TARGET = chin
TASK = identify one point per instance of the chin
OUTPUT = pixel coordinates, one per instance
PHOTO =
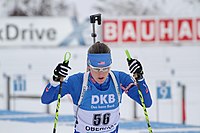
(101, 82)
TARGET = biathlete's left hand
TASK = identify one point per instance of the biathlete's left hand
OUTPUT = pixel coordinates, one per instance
(135, 68)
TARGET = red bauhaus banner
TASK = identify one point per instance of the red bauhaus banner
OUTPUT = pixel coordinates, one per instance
(150, 30)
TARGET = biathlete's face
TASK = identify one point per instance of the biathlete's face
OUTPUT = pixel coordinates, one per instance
(99, 73)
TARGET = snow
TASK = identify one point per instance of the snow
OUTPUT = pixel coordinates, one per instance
(167, 62)
(35, 64)
(24, 122)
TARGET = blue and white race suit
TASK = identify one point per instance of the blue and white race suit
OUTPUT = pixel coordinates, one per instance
(99, 108)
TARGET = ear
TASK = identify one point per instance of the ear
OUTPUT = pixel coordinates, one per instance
(88, 68)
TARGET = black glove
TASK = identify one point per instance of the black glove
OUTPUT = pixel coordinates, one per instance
(135, 68)
(61, 71)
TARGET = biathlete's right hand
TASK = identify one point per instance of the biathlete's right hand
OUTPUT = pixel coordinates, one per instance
(61, 71)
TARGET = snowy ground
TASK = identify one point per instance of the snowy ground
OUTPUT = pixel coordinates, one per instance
(25, 122)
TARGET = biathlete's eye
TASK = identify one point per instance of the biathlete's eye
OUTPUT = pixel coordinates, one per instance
(105, 69)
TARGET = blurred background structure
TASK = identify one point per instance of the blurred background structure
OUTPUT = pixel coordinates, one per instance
(163, 35)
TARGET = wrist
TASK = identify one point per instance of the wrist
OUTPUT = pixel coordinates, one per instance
(54, 83)
(141, 79)
(138, 76)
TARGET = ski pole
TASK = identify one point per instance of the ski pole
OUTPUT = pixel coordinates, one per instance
(141, 98)
(67, 56)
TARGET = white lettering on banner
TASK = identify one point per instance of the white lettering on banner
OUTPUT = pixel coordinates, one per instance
(14, 32)
(103, 99)
(129, 31)
(185, 29)
(166, 30)
(111, 31)
(35, 31)
(147, 30)
(151, 30)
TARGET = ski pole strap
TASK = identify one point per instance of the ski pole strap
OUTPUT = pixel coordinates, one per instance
(67, 56)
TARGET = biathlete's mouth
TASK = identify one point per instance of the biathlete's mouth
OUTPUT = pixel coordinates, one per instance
(101, 78)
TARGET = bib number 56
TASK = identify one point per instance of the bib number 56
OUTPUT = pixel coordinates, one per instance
(101, 118)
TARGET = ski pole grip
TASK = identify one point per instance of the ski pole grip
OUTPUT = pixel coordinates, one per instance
(128, 54)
